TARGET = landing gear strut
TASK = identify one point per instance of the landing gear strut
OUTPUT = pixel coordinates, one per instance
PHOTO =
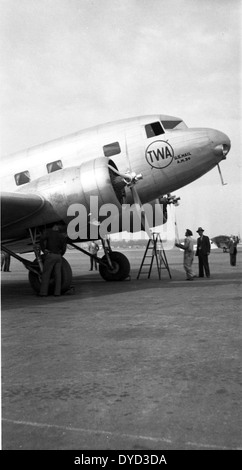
(116, 266)
(35, 274)
(113, 266)
(35, 267)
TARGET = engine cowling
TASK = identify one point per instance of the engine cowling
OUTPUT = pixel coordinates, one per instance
(76, 185)
(91, 183)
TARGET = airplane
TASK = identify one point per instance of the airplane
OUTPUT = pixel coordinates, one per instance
(222, 241)
(133, 161)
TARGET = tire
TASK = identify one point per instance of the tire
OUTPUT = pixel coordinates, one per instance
(66, 278)
(121, 267)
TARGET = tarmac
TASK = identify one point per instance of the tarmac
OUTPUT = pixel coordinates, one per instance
(143, 364)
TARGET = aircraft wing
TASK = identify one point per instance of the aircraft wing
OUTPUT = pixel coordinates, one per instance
(16, 207)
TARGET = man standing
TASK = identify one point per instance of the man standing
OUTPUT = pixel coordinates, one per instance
(233, 249)
(5, 261)
(188, 254)
(93, 249)
(53, 244)
(203, 250)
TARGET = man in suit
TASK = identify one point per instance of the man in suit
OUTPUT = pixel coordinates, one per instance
(233, 242)
(203, 250)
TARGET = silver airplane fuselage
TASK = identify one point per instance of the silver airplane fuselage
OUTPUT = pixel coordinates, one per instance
(167, 153)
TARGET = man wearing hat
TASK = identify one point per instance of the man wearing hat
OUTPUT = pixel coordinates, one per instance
(203, 250)
(188, 254)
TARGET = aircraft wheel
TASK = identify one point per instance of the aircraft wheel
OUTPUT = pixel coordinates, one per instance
(66, 278)
(121, 267)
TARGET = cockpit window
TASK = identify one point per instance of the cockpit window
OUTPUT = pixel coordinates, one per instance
(111, 149)
(169, 125)
(153, 129)
(54, 166)
(22, 178)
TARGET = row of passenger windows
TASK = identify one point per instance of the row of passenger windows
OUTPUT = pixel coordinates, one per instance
(24, 176)
(109, 150)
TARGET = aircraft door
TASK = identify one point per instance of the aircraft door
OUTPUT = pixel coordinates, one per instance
(114, 148)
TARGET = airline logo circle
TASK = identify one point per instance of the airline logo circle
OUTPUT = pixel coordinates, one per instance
(159, 154)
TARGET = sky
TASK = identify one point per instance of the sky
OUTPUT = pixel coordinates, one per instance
(71, 64)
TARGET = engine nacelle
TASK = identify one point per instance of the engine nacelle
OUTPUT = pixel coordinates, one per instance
(93, 182)
(77, 185)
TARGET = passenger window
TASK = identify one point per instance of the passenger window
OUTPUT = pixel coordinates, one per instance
(54, 166)
(22, 178)
(153, 129)
(111, 149)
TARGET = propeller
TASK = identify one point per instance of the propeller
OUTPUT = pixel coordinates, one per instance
(129, 134)
(130, 178)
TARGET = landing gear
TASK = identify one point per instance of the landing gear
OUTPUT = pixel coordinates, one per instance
(35, 267)
(119, 269)
(66, 277)
(113, 266)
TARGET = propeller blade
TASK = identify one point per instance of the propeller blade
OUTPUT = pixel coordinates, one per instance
(141, 214)
(135, 196)
(130, 178)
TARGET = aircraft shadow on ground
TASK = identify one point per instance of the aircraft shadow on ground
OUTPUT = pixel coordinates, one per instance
(17, 294)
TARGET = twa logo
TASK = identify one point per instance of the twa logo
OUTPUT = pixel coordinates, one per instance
(159, 154)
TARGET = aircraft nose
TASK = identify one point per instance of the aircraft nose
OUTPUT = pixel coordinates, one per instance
(221, 144)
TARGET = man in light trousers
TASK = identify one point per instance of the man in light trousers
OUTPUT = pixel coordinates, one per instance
(188, 254)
